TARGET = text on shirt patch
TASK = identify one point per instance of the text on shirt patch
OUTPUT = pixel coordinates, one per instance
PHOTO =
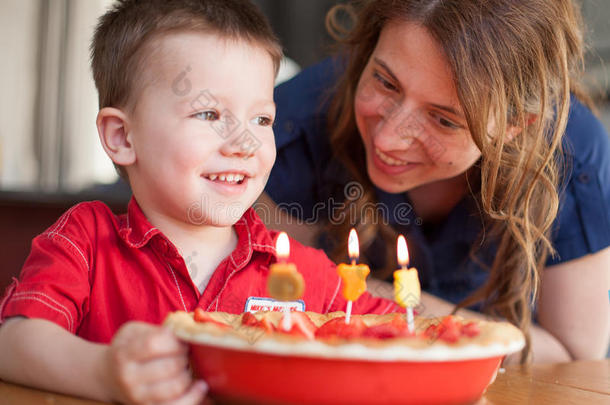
(255, 304)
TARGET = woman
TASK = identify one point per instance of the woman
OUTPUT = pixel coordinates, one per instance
(445, 122)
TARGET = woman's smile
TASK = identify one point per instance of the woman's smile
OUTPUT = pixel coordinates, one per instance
(391, 166)
(410, 144)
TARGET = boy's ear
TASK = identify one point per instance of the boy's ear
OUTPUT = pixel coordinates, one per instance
(113, 129)
(513, 131)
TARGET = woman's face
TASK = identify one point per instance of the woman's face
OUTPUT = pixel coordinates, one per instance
(408, 112)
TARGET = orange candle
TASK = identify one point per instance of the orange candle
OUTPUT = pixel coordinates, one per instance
(353, 275)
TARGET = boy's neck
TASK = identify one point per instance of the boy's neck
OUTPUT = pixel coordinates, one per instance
(203, 247)
(182, 233)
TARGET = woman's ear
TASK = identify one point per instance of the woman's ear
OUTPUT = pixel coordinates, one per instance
(512, 131)
(113, 129)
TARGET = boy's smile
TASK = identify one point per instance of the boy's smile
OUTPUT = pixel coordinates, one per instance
(229, 183)
(201, 129)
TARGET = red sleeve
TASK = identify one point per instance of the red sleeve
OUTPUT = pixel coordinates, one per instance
(54, 281)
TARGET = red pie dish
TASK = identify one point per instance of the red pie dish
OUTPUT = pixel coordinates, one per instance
(374, 360)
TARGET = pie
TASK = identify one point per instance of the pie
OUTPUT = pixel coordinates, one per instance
(366, 337)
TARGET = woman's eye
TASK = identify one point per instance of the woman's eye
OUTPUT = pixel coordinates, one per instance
(384, 82)
(444, 122)
(263, 121)
(209, 115)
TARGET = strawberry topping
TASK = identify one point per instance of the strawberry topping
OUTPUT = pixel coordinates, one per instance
(201, 316)
(337, 327)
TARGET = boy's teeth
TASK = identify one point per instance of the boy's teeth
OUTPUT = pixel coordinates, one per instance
(227, 177)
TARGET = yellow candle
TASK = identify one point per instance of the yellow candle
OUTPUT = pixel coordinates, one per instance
(407, 290)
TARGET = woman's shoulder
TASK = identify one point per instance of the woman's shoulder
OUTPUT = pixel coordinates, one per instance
(302, 102)
(583, 222)
(586, 138)
(587, 151)
(301, 136)
(301, 96)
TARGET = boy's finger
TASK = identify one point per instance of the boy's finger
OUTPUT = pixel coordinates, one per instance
(167, 389)
(194, 396)
(162, 368)
(157, 343)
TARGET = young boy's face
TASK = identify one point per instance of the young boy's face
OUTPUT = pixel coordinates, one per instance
(201, 129)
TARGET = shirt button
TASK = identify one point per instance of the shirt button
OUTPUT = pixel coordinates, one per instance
(288, 126)
(584, 177)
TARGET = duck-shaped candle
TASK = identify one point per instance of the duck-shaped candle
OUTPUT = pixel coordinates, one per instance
(353, 275)
(407, 291)
(285, 283)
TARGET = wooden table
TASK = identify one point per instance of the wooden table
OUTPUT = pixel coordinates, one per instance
(581, 382)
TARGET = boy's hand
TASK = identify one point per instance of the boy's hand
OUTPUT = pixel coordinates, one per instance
(147, 364)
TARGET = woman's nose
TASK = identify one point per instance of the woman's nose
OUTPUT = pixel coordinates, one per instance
(398, 127)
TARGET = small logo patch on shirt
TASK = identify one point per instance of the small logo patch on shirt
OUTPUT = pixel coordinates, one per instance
(255, 304)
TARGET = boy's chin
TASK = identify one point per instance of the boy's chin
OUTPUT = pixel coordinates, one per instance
(220, 217)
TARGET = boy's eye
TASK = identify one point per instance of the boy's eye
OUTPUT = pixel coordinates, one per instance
(384, 82)
(262, 121)
(209, 115)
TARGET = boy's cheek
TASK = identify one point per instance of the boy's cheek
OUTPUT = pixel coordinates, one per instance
(271, 147)
(268, 154)
(271, 159)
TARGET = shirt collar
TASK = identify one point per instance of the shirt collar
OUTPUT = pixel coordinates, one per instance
(136, 231)
(253, 236)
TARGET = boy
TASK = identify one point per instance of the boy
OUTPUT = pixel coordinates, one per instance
(186, 108)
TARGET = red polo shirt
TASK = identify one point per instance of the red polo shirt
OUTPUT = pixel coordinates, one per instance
(92, 271)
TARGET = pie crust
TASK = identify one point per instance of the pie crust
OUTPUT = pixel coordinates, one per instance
(495, 339)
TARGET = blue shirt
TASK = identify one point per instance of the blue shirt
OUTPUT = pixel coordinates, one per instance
(310, 185)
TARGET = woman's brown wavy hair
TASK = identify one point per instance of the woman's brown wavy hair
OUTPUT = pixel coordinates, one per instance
(512, 61)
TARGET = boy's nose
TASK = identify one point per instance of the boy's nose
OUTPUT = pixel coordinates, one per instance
(242, 145)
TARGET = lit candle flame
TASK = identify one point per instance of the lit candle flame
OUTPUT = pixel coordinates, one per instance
(402, 252)
(282, 246)
(352, 245)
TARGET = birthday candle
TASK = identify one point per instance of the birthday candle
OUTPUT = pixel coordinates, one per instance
(353, 275)
(285, 283)
(407, 290)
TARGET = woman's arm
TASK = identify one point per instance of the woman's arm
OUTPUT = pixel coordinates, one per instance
(574, 306)
(545, 347)
(430, 307)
